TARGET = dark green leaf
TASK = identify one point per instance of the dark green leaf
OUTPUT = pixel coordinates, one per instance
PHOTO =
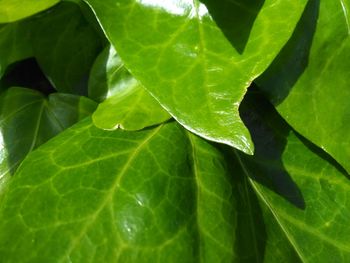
(28, 119)
(65, 46)
(12, 10)
(306, 195)
(128, 105)
(185, 61)
(308, 82)
(15, 44)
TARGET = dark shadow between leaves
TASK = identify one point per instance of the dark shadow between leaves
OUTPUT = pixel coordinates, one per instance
(19, 130)
(250, 230)
(235, 18)
(278, 80)
(269, 133)
(27, 73)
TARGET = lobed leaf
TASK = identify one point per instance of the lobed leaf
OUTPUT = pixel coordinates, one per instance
(28, 119)
(183, 54)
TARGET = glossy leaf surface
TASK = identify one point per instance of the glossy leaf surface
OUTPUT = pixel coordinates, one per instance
(198, 70)
(28, 119)
(122, 197)
(304, 190)
(12, 10)
(65, 46)
(308, 82)
(127, 104)
(107, 74)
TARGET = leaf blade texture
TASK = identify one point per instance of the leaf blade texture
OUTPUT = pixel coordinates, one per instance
(186, 62)
(96, 194)
(28, 119)
(306, 82)
(125, 103)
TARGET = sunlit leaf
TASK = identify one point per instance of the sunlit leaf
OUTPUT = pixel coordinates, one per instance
(185, 56)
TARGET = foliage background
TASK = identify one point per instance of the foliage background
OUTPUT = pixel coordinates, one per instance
(153, 131)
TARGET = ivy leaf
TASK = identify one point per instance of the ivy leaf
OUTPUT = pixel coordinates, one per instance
(91, 201)
(307, 81)
(189, 65)
(28, 119)
(65, 46)
(303, 191)
(12, 10)
(128, 105)
(107, 73)
(162, 192)
(15, 44)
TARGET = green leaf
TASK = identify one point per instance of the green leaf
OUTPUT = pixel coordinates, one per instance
(129, 109)
(107, 75)
(28, 119)
(15, 44)
(120, 196)
(304, 191)
(159, 193)
(189, 65)
(12, 10)
(128, 105)
(308, 82)
(65, 46)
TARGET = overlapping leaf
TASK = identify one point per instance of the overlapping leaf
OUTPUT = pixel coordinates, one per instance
(28, 119)
(305, 192)
(12, 10)
(65, 46)
(308, 82)
(197, 71)
(15, 44)
(120, 196)
(159, 193)
(127, 104)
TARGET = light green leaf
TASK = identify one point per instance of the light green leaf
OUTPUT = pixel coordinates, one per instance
(146, 196)
(65, 46)
(28, 119)
(130, 109)
(128, 105)
(306, 193)
(12, 10)
(308, 82)
(196, 71)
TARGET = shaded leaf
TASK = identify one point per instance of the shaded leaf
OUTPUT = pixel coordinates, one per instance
(187, 63)
(12, 10)
(15, 44)
(308, 82)
(65, 46)
(128, 105)
(305, 194)
(28, 119)
(107, 75)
